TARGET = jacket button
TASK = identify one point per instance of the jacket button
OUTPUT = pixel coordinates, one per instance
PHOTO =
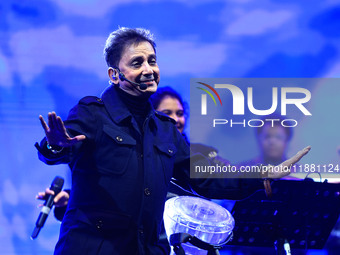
(212, 154)
(170, 151)
(99, 224)
(119, 138)
(147, 191)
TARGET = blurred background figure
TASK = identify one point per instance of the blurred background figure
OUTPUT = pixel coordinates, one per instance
(273, 141)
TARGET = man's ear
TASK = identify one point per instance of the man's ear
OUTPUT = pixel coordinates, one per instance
(113, 75)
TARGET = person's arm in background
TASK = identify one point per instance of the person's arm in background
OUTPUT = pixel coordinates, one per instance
(235, 186)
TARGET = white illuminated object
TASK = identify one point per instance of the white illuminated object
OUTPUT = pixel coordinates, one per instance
(198, 217)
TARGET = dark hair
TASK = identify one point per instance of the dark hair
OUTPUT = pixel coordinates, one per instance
(288, 130)
(163, 92)
(124, 37)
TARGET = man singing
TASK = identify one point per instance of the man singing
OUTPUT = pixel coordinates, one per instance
(122, 154)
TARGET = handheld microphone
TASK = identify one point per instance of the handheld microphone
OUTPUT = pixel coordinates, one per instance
(56, 186)
(142, 86)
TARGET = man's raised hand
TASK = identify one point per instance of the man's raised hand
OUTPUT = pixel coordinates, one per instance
(56, 133)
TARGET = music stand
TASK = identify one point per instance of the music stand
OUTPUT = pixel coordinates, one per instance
(300, 215)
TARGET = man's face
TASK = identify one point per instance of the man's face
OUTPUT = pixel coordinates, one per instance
(138, 64)
(273, 142)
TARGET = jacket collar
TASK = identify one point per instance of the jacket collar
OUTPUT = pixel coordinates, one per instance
(116, 107)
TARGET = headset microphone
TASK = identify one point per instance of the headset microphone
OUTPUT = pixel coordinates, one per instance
(142, 86)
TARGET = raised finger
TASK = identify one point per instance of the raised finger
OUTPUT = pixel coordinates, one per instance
(50, 120)
(43, 123)
(293, 160)
(60, 124)
(301, 153)
(54, 119)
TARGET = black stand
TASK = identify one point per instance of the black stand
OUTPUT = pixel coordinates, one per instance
(300, 215)
(177, 239)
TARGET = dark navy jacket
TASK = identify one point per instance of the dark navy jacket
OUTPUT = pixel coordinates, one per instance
(121, 175)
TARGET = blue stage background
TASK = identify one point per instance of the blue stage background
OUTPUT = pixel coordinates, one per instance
(51, 56)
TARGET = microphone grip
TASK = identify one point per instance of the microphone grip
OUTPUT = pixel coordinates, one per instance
(56, 186)
(45, 211)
